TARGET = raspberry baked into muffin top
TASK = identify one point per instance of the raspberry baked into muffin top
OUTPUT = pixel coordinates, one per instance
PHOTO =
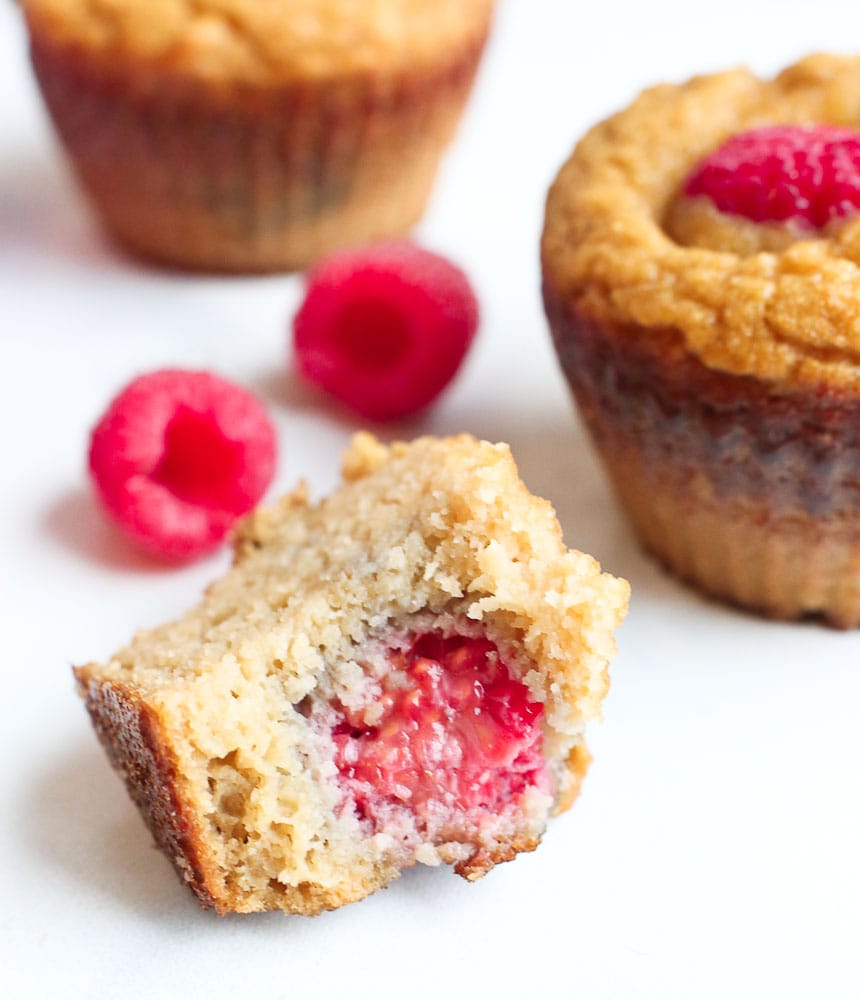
(264, 42)
(701, 277)
(778, 300)
(402, 673)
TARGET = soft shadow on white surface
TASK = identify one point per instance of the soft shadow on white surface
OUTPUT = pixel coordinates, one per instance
(43, 215)
(74, 521)
(285, 389)
(80, 824)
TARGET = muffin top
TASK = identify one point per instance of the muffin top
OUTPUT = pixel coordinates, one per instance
(439, 525)
(262, 41)
(624, 245)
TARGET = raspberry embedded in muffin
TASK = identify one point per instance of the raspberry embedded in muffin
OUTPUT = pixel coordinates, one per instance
(807, 173)
(765, 188)
(452, 742)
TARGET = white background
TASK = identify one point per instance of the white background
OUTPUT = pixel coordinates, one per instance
(715, 851)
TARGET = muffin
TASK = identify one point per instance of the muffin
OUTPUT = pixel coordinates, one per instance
(400, 674)
(701, 276)
(255, 135)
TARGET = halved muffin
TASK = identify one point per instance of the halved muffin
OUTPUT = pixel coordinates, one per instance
(402, 673)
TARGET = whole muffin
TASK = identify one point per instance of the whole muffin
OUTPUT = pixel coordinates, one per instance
(701, 264)
(253, 135)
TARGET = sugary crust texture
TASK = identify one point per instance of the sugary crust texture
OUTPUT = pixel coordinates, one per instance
(136, 743)
(202, 716)
(261, 42)
(425, 524)
(697, 222)
(791, 316)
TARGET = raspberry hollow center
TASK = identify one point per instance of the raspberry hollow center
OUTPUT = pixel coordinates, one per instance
(371, 335)
(384, 329)
(453, 734)
(200, 465)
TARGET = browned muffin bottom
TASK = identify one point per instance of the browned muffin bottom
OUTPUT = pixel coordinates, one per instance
(718, 379)
(749, 494)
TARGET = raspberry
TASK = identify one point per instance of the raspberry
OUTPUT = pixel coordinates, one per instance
(178, 456)
(385, 329)
(809, 174)
(457, 733)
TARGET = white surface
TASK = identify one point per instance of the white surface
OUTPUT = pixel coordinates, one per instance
(714, 852)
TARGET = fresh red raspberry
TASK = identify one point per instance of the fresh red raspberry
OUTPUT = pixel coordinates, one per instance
(457, 734)
(809, 174)
(385, 329)
(178, 456)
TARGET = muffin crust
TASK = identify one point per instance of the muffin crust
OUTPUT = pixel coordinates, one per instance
(792, 316)
(749, 493)
(264, 42)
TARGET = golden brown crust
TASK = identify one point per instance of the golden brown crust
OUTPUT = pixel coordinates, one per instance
(716, 362)
(256, 135)
(482, 861)
(134, 737)
(140, 746)
(578, 762)
(260, 43)
(792, 316)
(140, 750)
